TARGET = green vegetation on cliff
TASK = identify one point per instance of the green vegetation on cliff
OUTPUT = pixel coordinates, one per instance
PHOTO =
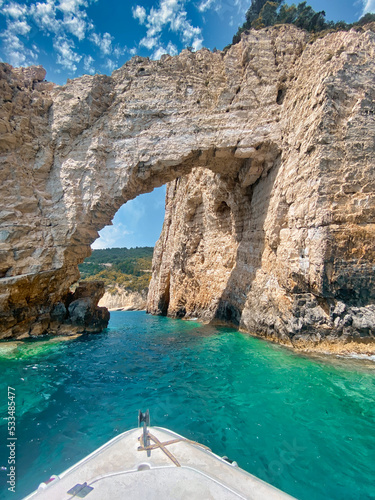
(130, 268)
(263, 13)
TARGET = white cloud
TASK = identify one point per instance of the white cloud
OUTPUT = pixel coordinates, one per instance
(66, 21)
(148, 42)
(190, 33)
(88, 65)
(111, 236)
(137, 223)
(110, 65)
(205, 5)
(197, 44)
(66, 56)
(368, 6)
(170, 49)
(170, 14)
(72, 6)
(104, 42)
(15, 10)
(95, 38)
(166, 14)
(139, 13)
(19, 27)
(14, 48)
(44, 15)
(119, 51)
(106, 46)
(76, 25)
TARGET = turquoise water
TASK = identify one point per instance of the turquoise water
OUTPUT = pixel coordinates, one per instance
(305, 425)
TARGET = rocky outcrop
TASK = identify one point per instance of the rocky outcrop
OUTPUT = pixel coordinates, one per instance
(282, 245)
(65, 313)
(83, 314)
(121, 299)
(278, 134)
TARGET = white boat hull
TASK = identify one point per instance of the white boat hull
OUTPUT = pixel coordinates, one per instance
(120, 470)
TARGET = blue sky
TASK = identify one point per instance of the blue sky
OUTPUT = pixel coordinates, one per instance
(138, 223)
(75, 37)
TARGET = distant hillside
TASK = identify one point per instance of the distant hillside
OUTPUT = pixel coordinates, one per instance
(129, 268)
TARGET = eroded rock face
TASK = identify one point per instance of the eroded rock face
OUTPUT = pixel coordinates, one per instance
(32, 310)
(283, 245)
(83, 313)
(278, 137)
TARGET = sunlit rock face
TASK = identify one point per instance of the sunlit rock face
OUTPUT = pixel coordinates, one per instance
(269, 152)
(121, 299)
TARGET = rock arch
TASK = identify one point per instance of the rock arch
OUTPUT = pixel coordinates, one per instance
(73, 155)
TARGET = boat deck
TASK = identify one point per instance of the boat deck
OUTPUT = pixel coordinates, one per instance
(120, 470)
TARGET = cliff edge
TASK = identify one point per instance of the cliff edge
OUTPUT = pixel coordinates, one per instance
(269, 151)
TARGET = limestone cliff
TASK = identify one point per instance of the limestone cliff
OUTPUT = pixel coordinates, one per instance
(282, 245)
(125, 300)
(277, 133)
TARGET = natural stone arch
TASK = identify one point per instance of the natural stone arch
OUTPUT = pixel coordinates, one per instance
(75, 154)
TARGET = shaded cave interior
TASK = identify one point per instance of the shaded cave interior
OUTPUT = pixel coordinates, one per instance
(213, 236)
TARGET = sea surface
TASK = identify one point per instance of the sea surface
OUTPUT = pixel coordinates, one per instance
(304, 424)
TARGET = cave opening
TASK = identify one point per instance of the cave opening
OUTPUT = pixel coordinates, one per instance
(137, 223)
(122, 255)
(208, 211)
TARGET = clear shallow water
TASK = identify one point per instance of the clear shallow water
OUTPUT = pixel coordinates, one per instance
(305, 425)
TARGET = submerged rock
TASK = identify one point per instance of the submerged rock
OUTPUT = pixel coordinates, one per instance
(83, 311)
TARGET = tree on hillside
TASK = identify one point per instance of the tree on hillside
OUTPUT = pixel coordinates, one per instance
(267, 16)
(255, 9)
(367, 18)
(129, 268)
(263, 13)
(253, 14)
(308, 19)
(287, 14)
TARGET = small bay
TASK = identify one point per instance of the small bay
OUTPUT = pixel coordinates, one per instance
(304, 424)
